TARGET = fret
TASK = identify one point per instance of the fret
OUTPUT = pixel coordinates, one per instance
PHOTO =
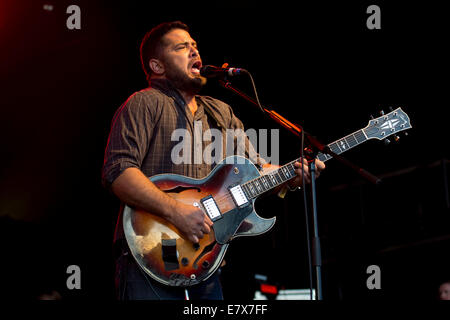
(269, 181)
(343, 145)
(359, 135)
(292, 168)
(246, 190)
(252, 188)
(262, 182)
(281, 174)
(265, 183)
(278, 176)
(272, 178)
(351, 141)
(258, 186)
(335, 148)
(286, 172)
(323, 156)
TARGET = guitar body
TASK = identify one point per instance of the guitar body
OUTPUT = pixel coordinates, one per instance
(159, 248)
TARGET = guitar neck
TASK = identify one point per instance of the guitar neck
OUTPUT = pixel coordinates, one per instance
(344, 144)
(264, 183)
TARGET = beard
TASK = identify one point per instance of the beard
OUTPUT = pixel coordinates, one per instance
(182, 81)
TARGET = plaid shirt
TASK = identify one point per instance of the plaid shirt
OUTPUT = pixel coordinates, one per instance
(142, 128)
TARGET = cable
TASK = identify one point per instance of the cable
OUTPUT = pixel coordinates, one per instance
(256, 93)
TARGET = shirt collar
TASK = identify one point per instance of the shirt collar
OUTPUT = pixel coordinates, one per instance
(166, 87)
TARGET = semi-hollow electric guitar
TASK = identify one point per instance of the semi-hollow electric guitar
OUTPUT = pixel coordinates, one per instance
(227, 196)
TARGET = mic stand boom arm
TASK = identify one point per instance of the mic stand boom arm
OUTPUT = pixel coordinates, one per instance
(297, 130)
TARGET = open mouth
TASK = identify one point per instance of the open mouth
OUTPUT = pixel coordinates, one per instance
(195, 69)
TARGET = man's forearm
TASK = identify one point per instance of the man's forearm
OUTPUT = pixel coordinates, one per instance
(135, 189)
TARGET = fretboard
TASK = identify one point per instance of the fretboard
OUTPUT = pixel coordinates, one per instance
(344, 144)
(264, 183)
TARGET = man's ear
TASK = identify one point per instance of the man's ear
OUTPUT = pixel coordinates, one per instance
(156, 66)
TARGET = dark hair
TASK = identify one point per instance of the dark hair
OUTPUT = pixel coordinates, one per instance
(151, 44)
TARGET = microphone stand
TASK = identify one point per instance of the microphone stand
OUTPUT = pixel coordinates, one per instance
(316, 147)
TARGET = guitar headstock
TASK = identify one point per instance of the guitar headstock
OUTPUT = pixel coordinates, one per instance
(387, 124)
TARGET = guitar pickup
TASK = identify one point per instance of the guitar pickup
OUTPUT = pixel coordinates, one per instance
(238, 196)
(211, 208)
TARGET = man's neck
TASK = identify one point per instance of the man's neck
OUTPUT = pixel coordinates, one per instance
(189, 98)
(190, 101)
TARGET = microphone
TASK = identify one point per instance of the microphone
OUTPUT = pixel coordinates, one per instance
(209, 71)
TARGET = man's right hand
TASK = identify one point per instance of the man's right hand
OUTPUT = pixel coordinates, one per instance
(135, 189)
(192, 222)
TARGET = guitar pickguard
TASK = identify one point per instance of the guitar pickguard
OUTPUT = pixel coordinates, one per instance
(225, 228)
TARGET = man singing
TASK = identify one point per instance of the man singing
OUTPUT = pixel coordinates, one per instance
(140, 146)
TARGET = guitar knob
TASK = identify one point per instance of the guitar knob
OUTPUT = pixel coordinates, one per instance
(185, 261)
(196, 246)
(386, 141)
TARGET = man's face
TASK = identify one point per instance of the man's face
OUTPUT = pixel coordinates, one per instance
(444, 291)
(182, 61)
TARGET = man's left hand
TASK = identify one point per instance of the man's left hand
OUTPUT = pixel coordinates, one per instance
(298, 181)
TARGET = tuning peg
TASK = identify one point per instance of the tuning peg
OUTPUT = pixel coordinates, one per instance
(405, 133)
(391, 109)
(382, 112)
(386, 141)
(396, 138)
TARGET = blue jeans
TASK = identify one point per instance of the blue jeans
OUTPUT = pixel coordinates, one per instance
(132, 283)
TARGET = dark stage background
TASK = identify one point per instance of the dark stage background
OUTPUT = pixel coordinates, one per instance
(316, 63)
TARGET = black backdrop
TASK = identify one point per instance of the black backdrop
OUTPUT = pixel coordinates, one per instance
(315, 63)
